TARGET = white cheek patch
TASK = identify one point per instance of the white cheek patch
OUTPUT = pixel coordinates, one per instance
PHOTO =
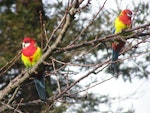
(24, 45)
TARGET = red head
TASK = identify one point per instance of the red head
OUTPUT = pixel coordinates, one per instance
(127, 13)
(27, 42)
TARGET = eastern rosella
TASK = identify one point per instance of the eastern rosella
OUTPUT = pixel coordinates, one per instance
(122, 22)
(31, 53)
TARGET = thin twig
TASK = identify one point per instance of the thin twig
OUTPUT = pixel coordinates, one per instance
(18, 106)
(13, 96)
(10, 107)
(58, 84)
(19, 79)
(8, 65)
(89, 87)
(41, 24)
(94, 17)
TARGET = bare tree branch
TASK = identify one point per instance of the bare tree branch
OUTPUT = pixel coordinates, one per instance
(107, 38)
(23, 76)
(72, 9)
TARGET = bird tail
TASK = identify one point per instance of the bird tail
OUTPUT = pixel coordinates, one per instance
(40, 87)
(115, 55)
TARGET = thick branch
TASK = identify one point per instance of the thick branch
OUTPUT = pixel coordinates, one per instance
(107, 38)
(23, 76)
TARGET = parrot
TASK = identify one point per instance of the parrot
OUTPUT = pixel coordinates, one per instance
(122, 22)
(30, 55)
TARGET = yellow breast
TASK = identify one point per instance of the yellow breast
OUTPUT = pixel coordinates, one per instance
(119, 26)
(29, 61)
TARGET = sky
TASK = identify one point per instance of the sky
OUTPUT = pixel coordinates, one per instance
(140, 101)
(138, 90)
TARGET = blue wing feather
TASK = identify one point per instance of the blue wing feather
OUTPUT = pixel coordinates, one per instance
(113, 30)
(115, 56)
(40, 87)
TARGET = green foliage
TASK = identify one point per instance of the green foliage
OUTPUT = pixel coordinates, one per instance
(22, 18)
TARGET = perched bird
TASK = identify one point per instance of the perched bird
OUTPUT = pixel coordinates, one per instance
(122, 22)
(31, 53)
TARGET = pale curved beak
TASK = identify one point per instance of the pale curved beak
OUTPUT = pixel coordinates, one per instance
(129, 15)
